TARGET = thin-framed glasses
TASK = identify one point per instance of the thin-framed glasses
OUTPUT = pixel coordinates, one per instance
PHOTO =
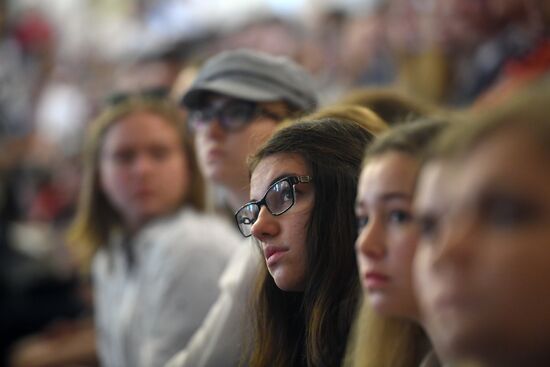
(278, 199)
(232, 115)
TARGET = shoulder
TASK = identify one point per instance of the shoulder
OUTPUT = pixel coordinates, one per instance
(244, 264)
(204, 228)
(107, 257)
(190, 233)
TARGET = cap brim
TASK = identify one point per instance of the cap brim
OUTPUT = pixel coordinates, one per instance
(228, 88)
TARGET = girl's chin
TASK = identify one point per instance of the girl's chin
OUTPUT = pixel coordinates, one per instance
(288, 285)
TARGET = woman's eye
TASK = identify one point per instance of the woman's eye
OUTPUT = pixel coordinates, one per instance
(246, 220)
(362, 221)
(160, 153)
(287, 195)
(399, 216)
(504, 211)
(124, 156)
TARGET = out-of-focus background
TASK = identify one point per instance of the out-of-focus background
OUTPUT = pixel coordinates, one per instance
(61, 59)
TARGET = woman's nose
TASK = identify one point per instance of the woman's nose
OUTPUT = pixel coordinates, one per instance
(142, 164)
(457, 242)
(266, 225)
(213, 129)
(370, 242)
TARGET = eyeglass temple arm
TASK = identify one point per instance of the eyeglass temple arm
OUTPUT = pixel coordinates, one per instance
(302, 179)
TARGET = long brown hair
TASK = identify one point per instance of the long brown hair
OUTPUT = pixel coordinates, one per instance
(96, 217)
(310, 328)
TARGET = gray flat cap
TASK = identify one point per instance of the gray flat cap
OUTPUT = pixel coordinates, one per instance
(253, 76)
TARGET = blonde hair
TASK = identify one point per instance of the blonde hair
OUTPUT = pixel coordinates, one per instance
(96, 217)
(394, 106)
(378, 341)
(350, 112)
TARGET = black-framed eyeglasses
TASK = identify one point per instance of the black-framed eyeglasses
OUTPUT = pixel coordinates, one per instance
(232, 115)
(278, 199)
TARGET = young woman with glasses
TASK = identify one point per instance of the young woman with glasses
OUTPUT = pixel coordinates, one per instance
(156, 259)
(303, 183)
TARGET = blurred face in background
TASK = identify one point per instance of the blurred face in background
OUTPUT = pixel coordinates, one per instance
(222, 149)
(362, 41)
(466, 23)
(387, 235)
(483, 263)
(143, 168)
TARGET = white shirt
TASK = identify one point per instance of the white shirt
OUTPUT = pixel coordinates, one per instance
(220, 340)
(149, 307)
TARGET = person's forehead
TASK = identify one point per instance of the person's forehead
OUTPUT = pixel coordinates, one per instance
(389, 174)
(493, 160)
(434, 184)
(141, 126)
(275, 166)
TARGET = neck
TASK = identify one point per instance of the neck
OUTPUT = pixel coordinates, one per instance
(133, 225)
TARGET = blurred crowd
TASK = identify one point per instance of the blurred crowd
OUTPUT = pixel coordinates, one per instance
(437, 55)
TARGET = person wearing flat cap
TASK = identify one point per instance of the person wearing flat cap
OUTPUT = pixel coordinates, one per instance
(234, 105)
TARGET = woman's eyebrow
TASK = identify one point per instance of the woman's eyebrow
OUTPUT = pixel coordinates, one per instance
(278, 178)
(395, 195)
(389, 196)
(281, 176)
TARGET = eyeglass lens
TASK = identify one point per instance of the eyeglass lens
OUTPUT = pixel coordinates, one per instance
(278, 199)
(231, 115)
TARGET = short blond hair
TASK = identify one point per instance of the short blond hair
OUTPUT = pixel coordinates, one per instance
(350, 112)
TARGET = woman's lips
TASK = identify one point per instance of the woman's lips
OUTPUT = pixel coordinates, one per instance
(273, 254)
(142, 193)
(375, 280)
(214, 154)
